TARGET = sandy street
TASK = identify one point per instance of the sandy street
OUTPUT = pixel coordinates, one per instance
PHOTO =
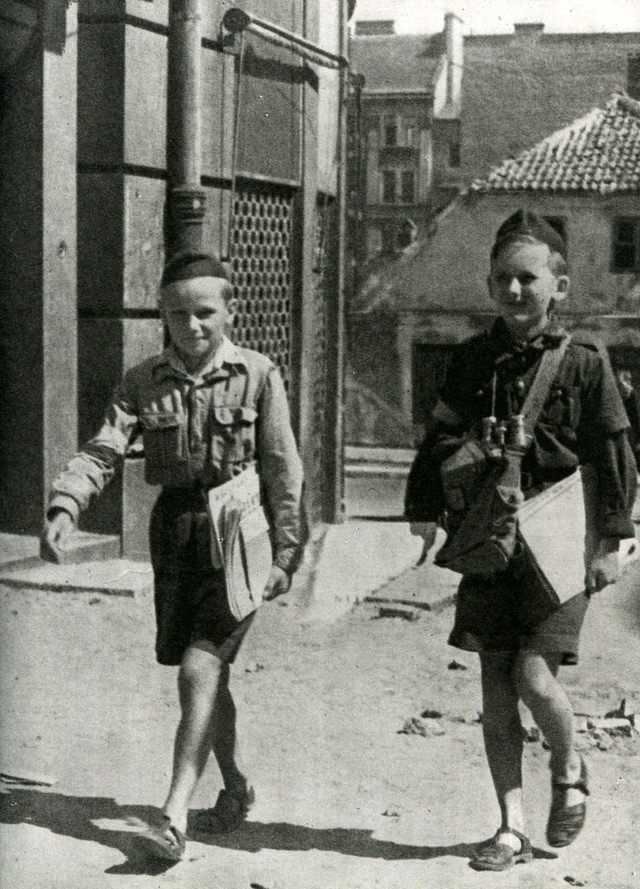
(344, 800)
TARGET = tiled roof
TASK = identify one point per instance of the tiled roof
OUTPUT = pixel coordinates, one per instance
(397, 63)
(598, 152)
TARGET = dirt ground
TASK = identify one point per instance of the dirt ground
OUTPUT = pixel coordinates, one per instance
(344, 801)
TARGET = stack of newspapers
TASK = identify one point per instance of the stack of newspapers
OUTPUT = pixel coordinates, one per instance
(559, 528)
(240, 540)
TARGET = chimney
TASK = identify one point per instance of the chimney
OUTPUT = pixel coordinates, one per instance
(528, 29)
(375, 28)
(454, 56)
(633, 76)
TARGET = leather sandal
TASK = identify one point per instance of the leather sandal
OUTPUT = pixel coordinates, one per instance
(230, 811)
(566, 822)
(495, 855)
(164, 841)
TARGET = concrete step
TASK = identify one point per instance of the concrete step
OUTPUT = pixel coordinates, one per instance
(110, 577)
(375, 470)
(19, 552)
(356, 454)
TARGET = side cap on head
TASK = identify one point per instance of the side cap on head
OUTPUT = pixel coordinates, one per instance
(523, 222)
(188, 264)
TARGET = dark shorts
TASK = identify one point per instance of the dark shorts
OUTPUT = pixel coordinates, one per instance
(512, 611)
(190, 599)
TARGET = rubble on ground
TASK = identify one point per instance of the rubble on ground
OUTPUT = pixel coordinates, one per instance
(416, 726)
(604, 731)
(592, 731)
(404, 613)
(391, 812)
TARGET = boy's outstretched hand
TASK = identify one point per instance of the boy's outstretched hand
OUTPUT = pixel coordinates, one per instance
(56, 536)
(277, 583)
(426, 530)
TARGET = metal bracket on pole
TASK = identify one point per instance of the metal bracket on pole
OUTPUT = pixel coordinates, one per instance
(237, 20)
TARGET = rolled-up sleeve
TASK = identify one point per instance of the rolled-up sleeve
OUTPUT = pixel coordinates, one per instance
(90, 470)
(616, 471)
(603, 433)
(281, 473)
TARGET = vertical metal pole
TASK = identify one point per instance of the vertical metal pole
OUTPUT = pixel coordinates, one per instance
(356, 186)
(186, 198)
(336, 324)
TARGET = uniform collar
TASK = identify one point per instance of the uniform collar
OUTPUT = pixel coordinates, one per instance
(169, 364)
(506, 347)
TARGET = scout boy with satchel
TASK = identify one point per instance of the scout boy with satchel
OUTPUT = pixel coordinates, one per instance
(482, 482)
(522, 408)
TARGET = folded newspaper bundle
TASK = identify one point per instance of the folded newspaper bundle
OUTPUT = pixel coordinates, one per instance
(240, 540)
(559, 528)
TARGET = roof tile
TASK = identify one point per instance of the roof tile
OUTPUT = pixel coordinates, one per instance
(598, 152)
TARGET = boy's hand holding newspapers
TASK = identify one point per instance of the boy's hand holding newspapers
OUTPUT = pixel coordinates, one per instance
(604, 567)
(277, 583)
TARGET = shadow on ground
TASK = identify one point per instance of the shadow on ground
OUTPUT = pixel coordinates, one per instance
(75, 816)
(281, 836)
(101, 820)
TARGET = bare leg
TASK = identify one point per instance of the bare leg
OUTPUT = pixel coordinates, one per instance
(202, 684)
(545, 697)
(225, 743)
(503, 738)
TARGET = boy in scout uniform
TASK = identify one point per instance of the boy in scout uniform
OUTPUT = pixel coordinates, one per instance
(523, 637)
(206, 410)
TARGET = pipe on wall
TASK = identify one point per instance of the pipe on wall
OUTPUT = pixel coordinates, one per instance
(237, 20)
(186, 200)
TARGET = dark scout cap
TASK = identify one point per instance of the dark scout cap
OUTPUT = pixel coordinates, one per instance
(192, 264)
(523, 222)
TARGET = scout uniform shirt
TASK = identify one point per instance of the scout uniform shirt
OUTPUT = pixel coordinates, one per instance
(582, 422)
(198, 432)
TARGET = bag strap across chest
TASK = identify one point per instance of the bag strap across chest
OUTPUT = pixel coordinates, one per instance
(539, 390)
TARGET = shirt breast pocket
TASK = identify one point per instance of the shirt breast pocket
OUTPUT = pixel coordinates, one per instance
(233, 437)
(563, 407)
(162, 435)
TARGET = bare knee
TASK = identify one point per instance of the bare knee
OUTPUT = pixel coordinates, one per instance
(535, 678)
(201, 671)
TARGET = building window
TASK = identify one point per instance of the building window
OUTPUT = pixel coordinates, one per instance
(398, 186)
(408, 187)
(372, 127)
(389, 238)
(454, 140)
(626, 244)
(407, 233)
(388, 186)
(390, 131)
(410, 132)
(374, 240)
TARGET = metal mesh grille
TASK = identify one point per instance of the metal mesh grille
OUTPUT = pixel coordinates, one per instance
(261, 273)
(319, 364)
